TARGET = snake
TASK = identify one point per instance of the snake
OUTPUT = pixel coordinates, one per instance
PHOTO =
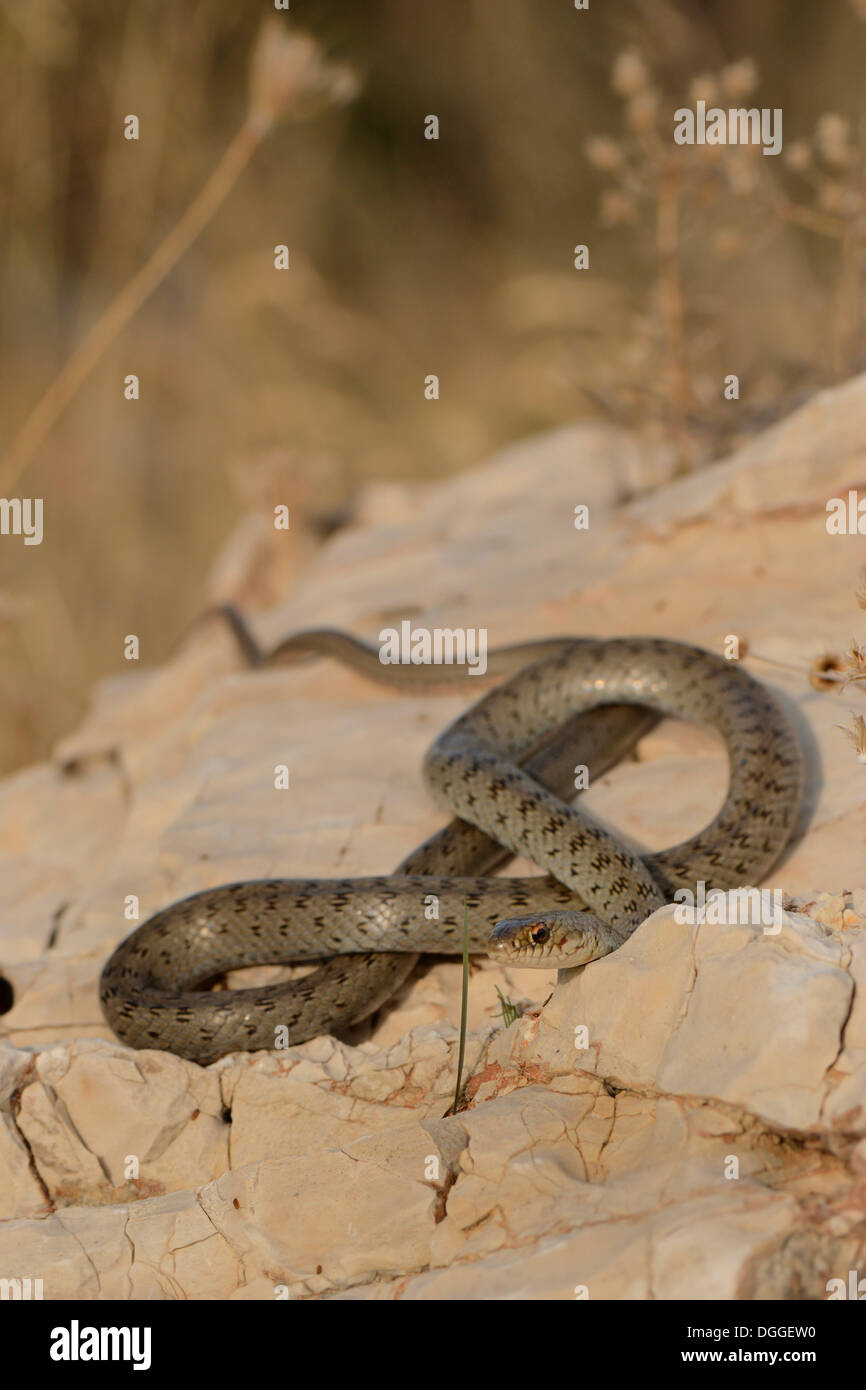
(507, 770)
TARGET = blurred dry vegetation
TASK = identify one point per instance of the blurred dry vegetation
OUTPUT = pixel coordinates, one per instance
(407, 257)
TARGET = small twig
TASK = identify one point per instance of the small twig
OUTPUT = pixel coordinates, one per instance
(809, 217)
(74, 373)
(287, 70)
(831, 676)
(845, 300)
(673, 314)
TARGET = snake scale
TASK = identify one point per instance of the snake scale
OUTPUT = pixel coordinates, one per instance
(506, 770)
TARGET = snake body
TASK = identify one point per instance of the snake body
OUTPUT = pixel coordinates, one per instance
(505, 769)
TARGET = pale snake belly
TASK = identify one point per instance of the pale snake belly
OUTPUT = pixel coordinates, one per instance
(506, 770)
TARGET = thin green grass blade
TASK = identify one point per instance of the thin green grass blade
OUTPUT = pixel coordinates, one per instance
(464, 1009)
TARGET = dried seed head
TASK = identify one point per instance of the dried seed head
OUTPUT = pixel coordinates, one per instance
(290, 78)
(616, 208)
(831, 140)
(857, 735)
(604, 153)
(798, 156)
(740, 78)
(704, 88)
(855, 663)
(630, 74)
(641, 110)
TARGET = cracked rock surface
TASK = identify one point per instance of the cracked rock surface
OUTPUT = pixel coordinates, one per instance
(684, 1118)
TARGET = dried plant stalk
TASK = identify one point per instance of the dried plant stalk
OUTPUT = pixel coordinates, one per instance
(289, 78)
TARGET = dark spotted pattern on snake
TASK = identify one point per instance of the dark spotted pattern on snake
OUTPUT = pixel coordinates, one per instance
(505, 769)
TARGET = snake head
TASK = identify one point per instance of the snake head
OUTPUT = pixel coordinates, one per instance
(555, 940)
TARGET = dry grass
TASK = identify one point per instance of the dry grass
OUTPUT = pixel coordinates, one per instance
(408, 257)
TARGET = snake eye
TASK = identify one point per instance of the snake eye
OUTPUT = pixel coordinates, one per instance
(539, 935)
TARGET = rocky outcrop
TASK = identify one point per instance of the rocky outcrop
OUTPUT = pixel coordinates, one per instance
(684, 1118)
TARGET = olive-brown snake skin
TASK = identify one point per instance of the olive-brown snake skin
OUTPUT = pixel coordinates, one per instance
(506, 768)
